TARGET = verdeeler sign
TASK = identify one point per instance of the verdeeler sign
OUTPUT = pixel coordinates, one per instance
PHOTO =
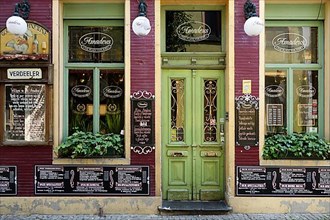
(32, 73)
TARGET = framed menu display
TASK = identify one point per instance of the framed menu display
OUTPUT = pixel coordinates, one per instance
(282, 181)
(8, 180)
(274, 114)
(247, 120)
(96, 180)
(142, 110)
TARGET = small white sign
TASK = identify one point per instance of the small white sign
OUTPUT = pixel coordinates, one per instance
(33, 73)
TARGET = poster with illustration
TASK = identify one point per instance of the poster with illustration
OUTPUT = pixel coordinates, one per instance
(33, 45)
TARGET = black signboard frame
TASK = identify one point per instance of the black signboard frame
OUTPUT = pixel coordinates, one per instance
(247, 120)
(92, 180)
(8, 180)
(258, 181)
(142, 122)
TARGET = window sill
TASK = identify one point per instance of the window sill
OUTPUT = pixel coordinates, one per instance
(297, 162)
(92, 161)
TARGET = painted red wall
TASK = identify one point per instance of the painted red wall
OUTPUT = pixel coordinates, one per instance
(26, 157)
(143, 77)
(246, 68)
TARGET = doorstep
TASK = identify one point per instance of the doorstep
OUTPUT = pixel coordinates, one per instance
(194, 207)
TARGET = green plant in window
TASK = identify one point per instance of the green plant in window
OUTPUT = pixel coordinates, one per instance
(295, 146)
(87, 144)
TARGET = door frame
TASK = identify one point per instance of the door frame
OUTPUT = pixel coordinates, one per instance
(194, 150)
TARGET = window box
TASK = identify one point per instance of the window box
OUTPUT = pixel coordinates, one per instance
(88, 145)
(296, 146)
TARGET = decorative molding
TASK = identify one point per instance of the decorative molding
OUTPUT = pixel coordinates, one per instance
(247, 100)
(142, 94)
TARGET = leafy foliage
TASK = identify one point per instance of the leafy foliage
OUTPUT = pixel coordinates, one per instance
(87, 144)
(288, 146)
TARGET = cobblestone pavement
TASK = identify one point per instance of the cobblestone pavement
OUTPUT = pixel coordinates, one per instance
(177, 217)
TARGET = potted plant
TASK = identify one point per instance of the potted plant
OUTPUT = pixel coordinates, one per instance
(296, 146)
(87, 144)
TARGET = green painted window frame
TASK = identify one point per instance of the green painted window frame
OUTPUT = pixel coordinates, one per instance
(319, 66)
(95, 67)
(192, 8)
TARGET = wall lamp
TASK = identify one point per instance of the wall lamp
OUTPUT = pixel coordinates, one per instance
(141, 24)
(16, 23)
(253, 25)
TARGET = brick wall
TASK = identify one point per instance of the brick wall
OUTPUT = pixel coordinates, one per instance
(26, 157)
(246, 68)
(143, 77)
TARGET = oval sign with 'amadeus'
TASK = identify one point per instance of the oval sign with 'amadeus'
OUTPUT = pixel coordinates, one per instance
(274, 91)
(81, 91)
(289, 43)
(112, 92)
(95, 42)
(193, 31)
(306, 91)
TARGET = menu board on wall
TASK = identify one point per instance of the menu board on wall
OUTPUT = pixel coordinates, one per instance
(142, 136)
(282, 181)
(25, 112)
(8, 180)
(247, 120)
(96, 180)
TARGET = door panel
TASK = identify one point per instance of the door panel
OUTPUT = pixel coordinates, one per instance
(192, 134)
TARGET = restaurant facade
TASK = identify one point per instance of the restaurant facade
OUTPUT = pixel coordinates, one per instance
(125, 106)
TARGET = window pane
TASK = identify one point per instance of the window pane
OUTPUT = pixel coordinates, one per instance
(210, 110)
(96, 44)
(305, 101)
(291, 45)
(275, 99)
(193, 31)
(80, 100)
(177, 110)
(112, 101)
(25, 112)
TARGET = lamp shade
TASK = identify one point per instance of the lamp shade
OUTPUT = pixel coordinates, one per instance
(16, 25)
(253, 26)
(141, 26)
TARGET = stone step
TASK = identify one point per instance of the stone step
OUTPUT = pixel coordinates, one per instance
(194, 207)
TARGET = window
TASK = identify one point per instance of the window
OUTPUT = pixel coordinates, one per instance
(27, 109)
(193, 31)
(294, 78)
(94, 77)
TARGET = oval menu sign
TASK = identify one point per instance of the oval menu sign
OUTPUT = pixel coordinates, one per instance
(95, 42)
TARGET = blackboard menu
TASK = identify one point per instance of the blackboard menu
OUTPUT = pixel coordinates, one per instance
(8, 180)
(142, 136)
(247, 120)
(96, 180)
(25, 112)
(282, 181)
(274, 114)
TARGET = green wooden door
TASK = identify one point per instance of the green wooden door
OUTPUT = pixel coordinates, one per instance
(193, 116)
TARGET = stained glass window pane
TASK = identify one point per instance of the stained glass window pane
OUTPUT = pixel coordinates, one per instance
(177, 110)
(210, 110)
